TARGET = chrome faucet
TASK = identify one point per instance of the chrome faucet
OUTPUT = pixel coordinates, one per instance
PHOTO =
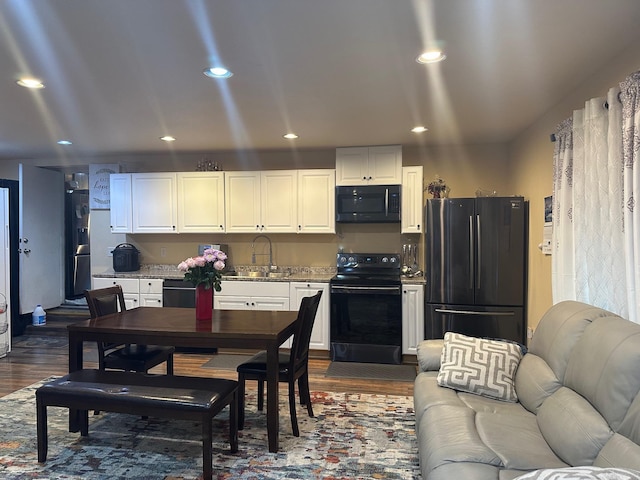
(253, 249)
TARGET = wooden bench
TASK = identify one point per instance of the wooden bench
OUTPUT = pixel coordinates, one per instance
(167, 396)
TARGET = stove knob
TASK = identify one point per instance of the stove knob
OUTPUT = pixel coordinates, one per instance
(352, 260)
(385, 259)
(342, 259)
(393, 259)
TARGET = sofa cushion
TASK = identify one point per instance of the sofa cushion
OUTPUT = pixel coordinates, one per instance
(603, 367)
(582, 473)
(535, 381)
(481, 366)
(619, 452)
(573, 428)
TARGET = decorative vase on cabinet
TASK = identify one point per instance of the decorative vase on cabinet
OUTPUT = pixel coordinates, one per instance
(204, 302)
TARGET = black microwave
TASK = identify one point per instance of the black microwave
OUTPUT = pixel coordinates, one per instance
(368, 204)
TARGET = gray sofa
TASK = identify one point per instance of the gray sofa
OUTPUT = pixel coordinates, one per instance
(577, 404)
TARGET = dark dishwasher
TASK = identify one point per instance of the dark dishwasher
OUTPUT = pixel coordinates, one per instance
(180, 293)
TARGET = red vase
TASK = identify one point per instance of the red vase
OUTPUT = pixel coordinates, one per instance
(204, 302)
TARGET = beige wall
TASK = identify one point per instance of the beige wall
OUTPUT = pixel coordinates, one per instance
(465, 169)
(531, 169)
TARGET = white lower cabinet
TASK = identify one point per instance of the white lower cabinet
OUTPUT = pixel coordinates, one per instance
(145, 292)
(250, 295)
(320, 332)
(412, 318)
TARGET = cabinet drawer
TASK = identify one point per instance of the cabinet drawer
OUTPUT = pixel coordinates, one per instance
(129, 285)
(254, 289)
(151, 285)
(150, 300)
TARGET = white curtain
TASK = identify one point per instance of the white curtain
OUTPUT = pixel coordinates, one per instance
(630, 98)
(593, 237)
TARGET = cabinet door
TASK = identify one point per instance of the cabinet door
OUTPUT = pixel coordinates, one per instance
(120, 193)
(279, 204)
(352, 166)
(320, 332)
(242, 201)
(154, 202)
(412, 318)
(200, 202)
(412, 211)
(385, 165)
(316, 201)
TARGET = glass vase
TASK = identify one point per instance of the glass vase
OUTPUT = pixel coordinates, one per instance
(204, 302)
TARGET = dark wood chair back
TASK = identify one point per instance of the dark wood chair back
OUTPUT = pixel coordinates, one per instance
(299, 356)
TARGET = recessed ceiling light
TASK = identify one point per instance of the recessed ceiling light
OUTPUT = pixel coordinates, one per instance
(290, 136)
(29, 82)
(168, 138)
(217, 72)
(419, 129)
(431, 56)
(65, 142)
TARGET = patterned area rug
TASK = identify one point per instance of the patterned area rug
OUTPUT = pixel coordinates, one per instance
(353, 436)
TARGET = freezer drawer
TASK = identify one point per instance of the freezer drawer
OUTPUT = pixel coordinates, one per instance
(475, 321)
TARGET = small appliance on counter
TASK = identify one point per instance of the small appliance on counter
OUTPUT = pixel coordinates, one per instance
(126, 258)
(223, 247)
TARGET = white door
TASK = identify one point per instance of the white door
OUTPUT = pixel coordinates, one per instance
(41, 220)
(5, 285)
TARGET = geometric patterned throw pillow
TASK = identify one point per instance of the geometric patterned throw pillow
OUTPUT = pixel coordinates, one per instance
(480, 366)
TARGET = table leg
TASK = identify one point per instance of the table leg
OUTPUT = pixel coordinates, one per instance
(273, 407)
(75, 363)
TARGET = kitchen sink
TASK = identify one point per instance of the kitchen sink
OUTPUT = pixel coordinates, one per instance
(257, 274)
(278, 274)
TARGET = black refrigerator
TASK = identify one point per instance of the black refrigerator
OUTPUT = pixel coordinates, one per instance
(77, 251)
(475, 267)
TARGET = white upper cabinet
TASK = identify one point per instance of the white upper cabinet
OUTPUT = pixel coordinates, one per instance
(411, 219)
(380, 165)
(242, 201)
(154, 202)
(120, 193)
(279, 201)
(261, 201)
(200, 202)
(316, 201)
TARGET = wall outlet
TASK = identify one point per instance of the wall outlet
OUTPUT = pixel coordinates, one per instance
(529, 332)
(110, 251)
(163, 252)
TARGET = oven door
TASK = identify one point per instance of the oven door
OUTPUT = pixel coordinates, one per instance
(366, 323)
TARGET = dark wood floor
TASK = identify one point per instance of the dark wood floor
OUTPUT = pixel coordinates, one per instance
(28, 364)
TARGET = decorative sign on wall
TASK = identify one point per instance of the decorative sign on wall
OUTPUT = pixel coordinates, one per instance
(99, 185)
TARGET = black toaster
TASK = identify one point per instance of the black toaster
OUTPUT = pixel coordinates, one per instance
(126, 258)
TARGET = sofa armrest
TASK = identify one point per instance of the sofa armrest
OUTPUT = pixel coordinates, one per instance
(429, 352)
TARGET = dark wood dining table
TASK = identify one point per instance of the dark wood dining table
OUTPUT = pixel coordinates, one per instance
(246, 329)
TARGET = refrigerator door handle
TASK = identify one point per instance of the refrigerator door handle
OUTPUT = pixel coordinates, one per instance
(478, 252)
(471, 254)
(473, 312)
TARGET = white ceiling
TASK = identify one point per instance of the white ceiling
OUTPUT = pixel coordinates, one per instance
(119, 74)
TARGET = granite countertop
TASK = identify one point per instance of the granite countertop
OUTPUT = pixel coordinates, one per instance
(298, 274)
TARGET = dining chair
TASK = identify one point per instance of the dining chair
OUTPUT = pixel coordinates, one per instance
(128, 357)
(293, 365)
